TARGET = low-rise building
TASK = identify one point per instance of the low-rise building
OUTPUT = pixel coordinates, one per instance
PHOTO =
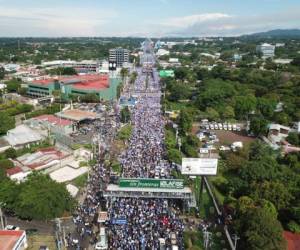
(267, 50)
(277, 133)
(98, 84)
(53, 124)
(13, 240)
(77, 115)
(22, 136)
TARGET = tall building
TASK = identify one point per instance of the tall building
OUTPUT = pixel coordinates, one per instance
(267, 50)
(119, 55)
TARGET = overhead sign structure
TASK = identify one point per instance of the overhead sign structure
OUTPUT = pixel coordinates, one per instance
(151, 183)
(112, 66)
(199, 166)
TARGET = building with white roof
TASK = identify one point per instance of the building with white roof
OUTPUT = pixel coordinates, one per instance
(267, 50)
(22, 136)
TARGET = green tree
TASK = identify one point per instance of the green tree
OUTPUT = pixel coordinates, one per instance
(228, 113)
(2, 73)
(5, 164)
(212, 114)
(42, 198)
(244, 105)
(258, 230)
(13, 85)
(174, 155)
(6, 122)
(124, 73)
(185, 122)
(293, 138)
(258, 126)
(10, 153)
(125, 115)
(181, 73)
(273, 191)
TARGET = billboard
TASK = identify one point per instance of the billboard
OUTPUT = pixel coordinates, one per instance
(112, 66)
(166, 73)
(151, 183)
(199, 166)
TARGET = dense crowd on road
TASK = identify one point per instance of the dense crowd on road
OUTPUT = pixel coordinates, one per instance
(146, 220)
(84, 216)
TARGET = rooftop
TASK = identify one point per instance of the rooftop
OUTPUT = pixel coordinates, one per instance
(77, 115)
(9, 238)
(293, 240)
(42, 158)
(22, 135)
(85, 82)
(54, 120)
(14, 170)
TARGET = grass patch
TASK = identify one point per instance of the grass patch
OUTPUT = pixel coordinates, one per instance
(35, 241)
(193, 240)
(80, 180)
(125, 132)
(116, 167)
(77, 146)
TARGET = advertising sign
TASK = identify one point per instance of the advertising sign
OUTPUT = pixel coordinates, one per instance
(199, 166)
(112, 66)
(151, 183)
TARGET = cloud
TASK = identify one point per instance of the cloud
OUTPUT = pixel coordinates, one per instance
(59, 21)
(187, 21)
(228, 25)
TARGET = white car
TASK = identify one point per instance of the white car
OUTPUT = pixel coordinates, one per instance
(216, 126)
(234, 127)
(220, 125)
(12, 228)
(229, 127)
(225, 127)
(211, 126)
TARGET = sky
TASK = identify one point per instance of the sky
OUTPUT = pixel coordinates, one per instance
(146, 18)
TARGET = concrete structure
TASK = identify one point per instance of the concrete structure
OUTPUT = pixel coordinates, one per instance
(17, 174)
(77, 115)
(67, 173)
(162, 52)
(73, 190)
(277, 133)
(98, 84)
(42, 159)
(119, 55)
(11, 67)
(85, 66)
(53, 124)
(185, 194)
(13, 240)
(22, 136)
(266, 49)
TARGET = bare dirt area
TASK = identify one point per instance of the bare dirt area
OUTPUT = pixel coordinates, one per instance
(228, 137)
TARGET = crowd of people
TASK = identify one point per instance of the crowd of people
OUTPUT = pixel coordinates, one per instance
(84, 217)
(144, 221)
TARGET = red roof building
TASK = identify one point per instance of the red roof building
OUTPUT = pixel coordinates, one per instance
(13, 240)
(293, 240)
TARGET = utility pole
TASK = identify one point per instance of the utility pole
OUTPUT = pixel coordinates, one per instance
(1, 218)
(235, 238)
(207, 238)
